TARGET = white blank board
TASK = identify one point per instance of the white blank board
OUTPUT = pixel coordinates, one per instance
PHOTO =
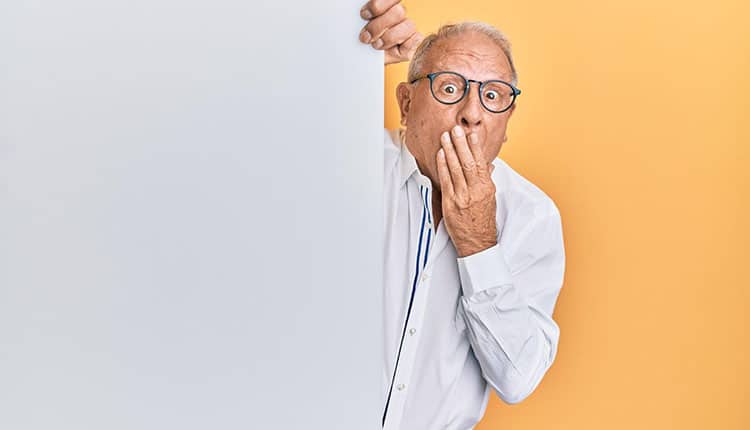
(190, 216)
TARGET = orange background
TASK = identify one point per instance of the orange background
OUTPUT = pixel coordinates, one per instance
(635, 119)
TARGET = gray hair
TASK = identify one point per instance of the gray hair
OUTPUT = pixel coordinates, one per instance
(448, 30)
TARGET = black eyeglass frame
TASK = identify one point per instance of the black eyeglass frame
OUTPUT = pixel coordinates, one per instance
(467, 86)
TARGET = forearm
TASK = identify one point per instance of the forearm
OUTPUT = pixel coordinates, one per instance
(510, 328)
(514, 342)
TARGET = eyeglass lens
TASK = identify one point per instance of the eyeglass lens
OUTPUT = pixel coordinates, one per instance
(450, 88)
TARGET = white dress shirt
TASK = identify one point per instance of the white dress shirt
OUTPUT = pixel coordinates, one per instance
(456, 327)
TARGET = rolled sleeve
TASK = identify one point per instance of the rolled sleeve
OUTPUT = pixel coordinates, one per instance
(509, 319)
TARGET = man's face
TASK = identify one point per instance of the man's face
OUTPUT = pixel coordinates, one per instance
(476, 57)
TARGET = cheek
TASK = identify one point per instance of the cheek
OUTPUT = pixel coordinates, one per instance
(491, 151)
(428, 123)
(495, 141)
(432, 114)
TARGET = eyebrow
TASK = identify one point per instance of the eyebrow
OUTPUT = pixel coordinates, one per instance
(441, 67)
(447, 69)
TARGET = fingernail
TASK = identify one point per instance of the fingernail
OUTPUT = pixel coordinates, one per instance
(445, 137)
(378, 43)
(441, 153)
(365, 36)
(458, 131)
(365, 13)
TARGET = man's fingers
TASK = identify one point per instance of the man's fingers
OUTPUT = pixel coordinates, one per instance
(465, 156)
(388, 29)
(476, 152)
(444, 176)
(375, 8)
(404, 51)
(379, 25)
(454, 165)
(398, 34)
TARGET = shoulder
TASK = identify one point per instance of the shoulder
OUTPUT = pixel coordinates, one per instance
(520, 195)
(391, 148)
(392, 143)
(530, 218)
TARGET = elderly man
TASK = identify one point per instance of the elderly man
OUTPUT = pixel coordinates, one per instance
(474, 257)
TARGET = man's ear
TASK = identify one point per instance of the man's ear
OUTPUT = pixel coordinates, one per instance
(403, 95)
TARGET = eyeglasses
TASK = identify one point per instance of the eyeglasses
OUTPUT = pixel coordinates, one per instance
(450, 88)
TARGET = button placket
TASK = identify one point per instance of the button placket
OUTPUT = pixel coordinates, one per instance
(409, 352)
(425, 276)
(411, 341)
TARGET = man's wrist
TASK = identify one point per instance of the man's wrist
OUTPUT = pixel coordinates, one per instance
(471, 248)
(483, 270)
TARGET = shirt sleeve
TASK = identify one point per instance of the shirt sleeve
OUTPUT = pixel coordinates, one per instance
(508, 313)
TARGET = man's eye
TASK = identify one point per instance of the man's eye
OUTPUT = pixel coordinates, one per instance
(491, 95)
(449, 89)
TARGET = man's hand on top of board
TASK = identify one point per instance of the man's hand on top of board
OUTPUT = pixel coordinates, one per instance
(389, 29)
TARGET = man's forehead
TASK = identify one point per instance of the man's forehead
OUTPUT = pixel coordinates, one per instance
(475, 55)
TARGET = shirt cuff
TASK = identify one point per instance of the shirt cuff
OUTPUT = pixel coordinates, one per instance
(483, 270)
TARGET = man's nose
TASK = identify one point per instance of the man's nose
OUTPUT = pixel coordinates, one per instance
(470, 111)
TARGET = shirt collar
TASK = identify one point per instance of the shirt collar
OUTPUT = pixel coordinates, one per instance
(408, 162)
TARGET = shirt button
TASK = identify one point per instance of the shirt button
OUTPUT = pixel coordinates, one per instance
(400, 387)
(412, 331)
(425, 276)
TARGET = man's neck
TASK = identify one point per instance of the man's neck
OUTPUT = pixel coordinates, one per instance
(437, 206)
(437, 202)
